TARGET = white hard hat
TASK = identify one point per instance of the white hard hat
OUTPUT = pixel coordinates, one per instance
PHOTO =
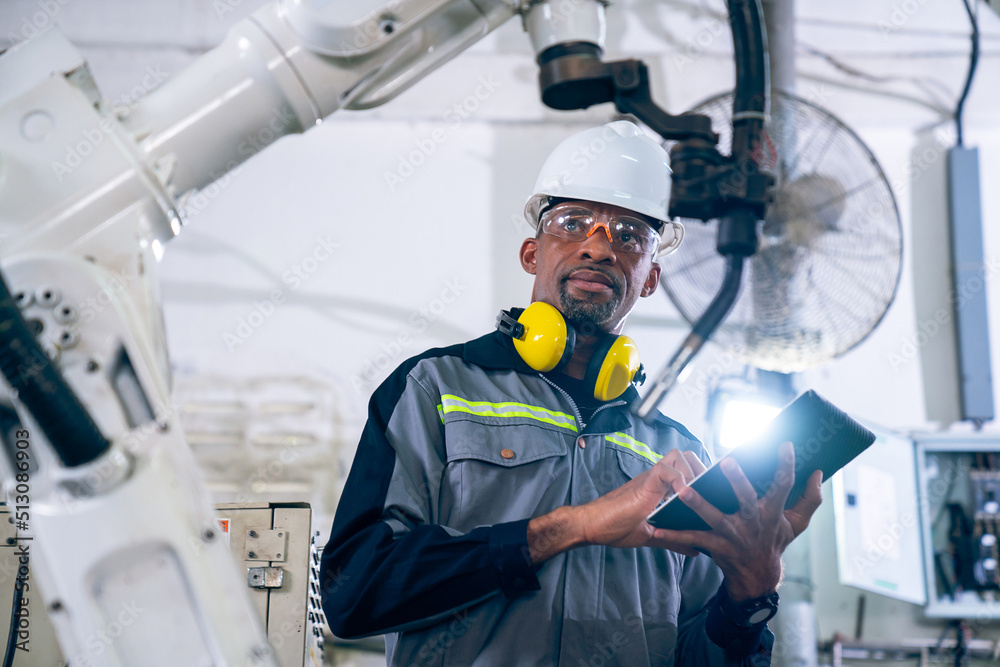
(612, 164)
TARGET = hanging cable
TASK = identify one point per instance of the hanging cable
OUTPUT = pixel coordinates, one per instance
(15, 618)
(973, 61)
(924, 83)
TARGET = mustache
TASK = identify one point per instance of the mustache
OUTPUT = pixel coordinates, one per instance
(615, 283)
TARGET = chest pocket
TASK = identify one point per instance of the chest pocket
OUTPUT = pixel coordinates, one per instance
(626, 458)
(503, 468)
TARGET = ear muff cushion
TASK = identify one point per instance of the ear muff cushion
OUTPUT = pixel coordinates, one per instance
(548, 341)
(612, 367)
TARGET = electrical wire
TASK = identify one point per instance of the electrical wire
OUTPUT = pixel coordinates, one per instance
(881, 28)
(943, 112)
(973, 61)
(924, 83)
(15, 615)
(946, 499)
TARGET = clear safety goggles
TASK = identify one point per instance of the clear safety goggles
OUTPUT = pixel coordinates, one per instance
(625, 233)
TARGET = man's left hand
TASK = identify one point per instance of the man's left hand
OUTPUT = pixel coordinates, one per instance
(747, 545)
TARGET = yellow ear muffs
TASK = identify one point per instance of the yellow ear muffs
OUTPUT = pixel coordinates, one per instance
(541, 335)
(613, 367)
(545, 342)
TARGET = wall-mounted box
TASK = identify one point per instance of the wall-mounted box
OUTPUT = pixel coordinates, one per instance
(959, 480)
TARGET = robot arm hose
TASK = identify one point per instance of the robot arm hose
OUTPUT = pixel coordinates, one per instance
(43, 391)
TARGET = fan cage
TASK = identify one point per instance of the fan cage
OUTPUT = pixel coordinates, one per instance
(830, 257)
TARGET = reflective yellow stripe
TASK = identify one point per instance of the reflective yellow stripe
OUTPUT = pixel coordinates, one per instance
(630, 443)
(452, 403)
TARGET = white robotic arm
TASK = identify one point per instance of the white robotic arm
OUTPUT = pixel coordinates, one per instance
(294, 63)
(88, 197)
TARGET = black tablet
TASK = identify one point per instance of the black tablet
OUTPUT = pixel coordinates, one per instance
(825, 438)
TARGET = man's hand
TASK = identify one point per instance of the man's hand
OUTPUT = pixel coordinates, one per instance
(617, 519)
(747, 545)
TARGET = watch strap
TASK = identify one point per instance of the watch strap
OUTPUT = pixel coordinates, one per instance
(748, 613)
(737, 641)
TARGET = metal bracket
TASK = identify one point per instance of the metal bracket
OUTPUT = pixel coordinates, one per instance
(266, 544)
(265, 577)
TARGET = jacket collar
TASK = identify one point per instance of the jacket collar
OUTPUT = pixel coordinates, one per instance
(496, 351)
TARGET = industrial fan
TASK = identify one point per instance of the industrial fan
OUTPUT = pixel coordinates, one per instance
(830, 253)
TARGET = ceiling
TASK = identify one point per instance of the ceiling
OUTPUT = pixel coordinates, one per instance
(891, 62)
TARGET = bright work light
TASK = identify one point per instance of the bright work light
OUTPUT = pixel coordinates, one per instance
(739, 407)
(742, 419)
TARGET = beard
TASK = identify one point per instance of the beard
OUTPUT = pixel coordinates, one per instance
(585, 315)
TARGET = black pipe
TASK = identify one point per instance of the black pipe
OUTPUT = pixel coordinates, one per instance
(723, 301)
(42, 390)
(750, 100)
(737, 233)
(703, 328)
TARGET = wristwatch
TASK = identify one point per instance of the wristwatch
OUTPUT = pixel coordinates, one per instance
(748, 613)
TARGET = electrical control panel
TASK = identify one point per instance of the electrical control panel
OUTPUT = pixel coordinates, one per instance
(959, 479)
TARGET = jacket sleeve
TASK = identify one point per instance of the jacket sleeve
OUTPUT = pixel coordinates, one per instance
(705, 635)
(387, 567)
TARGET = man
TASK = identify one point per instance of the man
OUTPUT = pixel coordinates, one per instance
(495, 513)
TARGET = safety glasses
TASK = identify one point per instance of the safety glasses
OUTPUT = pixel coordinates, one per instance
(625, 233)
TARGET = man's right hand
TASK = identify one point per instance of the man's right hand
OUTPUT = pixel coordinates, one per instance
(616, 519)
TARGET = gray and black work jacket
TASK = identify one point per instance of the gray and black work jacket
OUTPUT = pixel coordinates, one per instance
(463, 446)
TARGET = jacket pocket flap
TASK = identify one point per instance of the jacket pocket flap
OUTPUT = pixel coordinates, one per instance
(507, 445)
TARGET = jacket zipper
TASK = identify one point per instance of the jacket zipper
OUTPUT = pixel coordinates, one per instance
(576, 411)
(603, 407)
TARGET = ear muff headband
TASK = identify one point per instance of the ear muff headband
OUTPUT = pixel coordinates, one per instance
(545, 342)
